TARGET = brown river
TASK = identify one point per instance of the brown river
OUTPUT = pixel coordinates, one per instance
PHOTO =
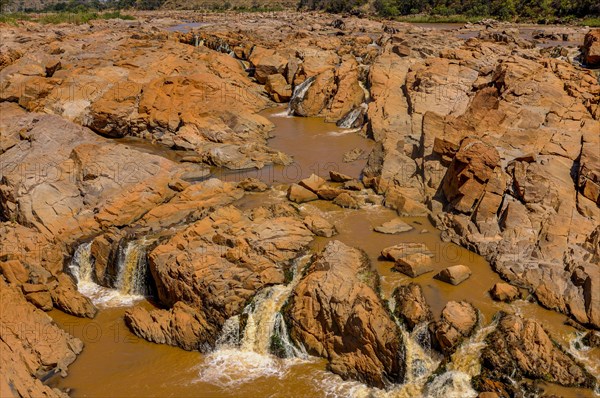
(115, 363)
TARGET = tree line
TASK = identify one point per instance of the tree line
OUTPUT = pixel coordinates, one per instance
(535, 10)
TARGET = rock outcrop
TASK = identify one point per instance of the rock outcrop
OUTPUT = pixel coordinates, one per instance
(214, 266)
(336, 314)
(31, 347)
(181, 326)
(522, 348)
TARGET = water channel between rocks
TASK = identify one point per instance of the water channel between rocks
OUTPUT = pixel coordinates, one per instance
(117, 363)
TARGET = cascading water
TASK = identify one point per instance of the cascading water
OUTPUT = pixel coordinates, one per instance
(581, 353)
(131, 283)
(241, 357)
(354, 118)
(133, 269)
(298, 94)
(455, 382)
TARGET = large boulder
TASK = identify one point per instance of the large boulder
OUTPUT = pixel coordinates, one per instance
(336, 314)
(458, 321)
(505, 292)
(412, 259)
(266, 62)
(299, 194)
(278, 88)
(454, 275)
(320, 226)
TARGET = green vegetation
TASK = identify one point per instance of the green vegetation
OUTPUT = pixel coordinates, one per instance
(591, 22)
(540, 11)
(336, 6)
(438, 18)
(77, 18)
(13, 18)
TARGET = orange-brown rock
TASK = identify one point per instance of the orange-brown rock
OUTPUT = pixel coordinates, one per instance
(458, 321)
(215, 265)
(266, 62)
(591, 48)
(181, 326)
(31, 347)
(66, 297)
(522, 348)
(278, 88)
(336, 300)
(504, 292)
(411, 306)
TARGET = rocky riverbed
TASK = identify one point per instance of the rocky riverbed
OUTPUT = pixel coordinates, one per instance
(299, 203)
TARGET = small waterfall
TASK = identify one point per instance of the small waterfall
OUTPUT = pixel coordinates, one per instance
(133, 269)
(298, 94)
(242, 357)
(265, 326)
(132, 281)
(82, 265)
(354, 118)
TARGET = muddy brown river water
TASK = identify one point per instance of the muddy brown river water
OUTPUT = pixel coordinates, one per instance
(115, 363)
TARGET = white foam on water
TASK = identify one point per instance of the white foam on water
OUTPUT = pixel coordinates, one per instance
(105, 297)
(339, 133)
(451, 384)
(581, 352)
(82, 267)
(233, 367)
(285, 113)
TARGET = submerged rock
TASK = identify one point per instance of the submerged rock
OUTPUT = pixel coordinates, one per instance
(335, 300)
(394, 226)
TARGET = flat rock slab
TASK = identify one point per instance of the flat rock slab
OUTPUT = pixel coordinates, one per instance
(338, 177)
(299, 194)
(312, 183)
(319, 226)
(354, 185)
(455, 274)
(395, 226)
(403, 250)
(329, 193)
(414, 264)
